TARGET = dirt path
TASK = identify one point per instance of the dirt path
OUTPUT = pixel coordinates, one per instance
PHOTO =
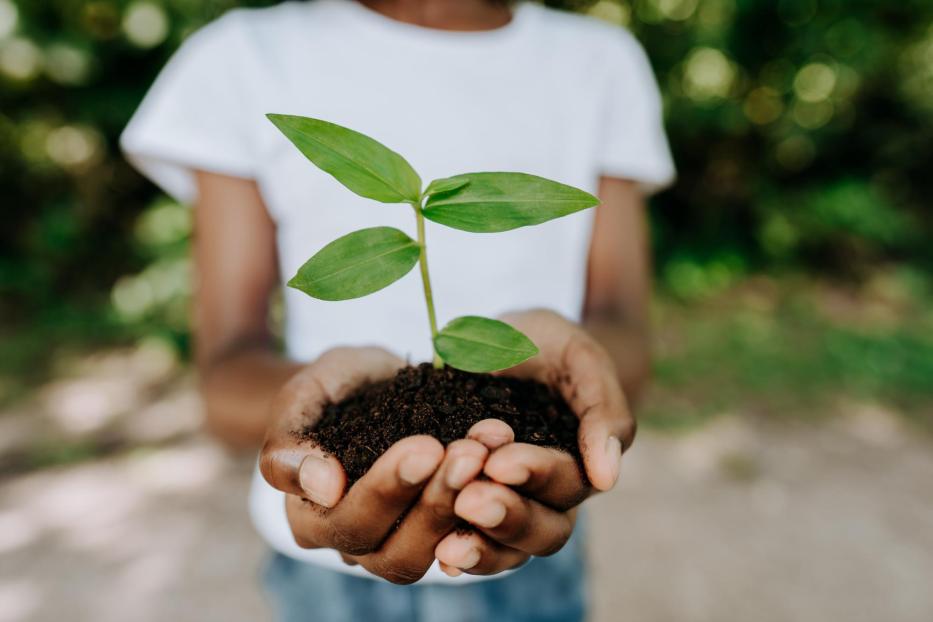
(735, 522)
(749, 524)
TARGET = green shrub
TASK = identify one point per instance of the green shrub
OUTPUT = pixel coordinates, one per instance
(802, 129)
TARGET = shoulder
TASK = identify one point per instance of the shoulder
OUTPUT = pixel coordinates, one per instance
(584, 33)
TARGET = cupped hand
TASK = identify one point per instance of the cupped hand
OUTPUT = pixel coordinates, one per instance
(415, 479)
(527, 505)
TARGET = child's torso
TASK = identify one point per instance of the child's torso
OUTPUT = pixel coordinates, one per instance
(504, 100)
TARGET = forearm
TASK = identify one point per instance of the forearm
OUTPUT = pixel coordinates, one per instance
(629, 346)
(238, 389)
(618, 287)
(237, 273)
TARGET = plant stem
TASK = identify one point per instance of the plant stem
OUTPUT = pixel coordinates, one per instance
(426, 282)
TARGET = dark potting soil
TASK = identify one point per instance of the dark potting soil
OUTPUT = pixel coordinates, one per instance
(444, 403)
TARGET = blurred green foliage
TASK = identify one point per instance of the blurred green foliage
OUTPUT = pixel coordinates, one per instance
(802, 129)
(797, 348)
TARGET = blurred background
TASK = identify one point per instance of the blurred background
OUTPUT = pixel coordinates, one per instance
(784, 465)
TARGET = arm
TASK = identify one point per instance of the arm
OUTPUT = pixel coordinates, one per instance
(618, 286)
(239, 369)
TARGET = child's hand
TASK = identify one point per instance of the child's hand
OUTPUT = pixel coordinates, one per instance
(362, 526)
(527, 506)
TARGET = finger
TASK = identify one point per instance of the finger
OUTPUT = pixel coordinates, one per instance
(607, 427)
(372, 506)
(550, 332)
(306, 471)
(472, 553)
(306, 521)
(547, 475)
(492, 433)
(292, 464)
(514, 520)
(602, 447)
(340, 371)
(581, 369)
(369, 511)
(409, 551)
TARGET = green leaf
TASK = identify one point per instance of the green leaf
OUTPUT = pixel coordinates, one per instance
(493, 202)
(357, 264)
(478, 344)
(365, 166)
(448, 184)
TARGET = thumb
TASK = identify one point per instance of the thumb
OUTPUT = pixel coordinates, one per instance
(607, 427)
(305, 471)
(292, 464)
(603, 437)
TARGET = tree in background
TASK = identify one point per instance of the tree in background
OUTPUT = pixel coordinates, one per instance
(802, 130)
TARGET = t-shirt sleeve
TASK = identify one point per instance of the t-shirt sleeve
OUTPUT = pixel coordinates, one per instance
(634, 143)
(196, 115)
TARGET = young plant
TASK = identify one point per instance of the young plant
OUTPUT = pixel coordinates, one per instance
(368, 260)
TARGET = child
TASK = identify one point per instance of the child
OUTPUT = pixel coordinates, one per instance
(455, 85)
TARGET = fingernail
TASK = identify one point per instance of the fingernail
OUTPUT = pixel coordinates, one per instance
(513, 475)
(450, 571)
(489, 515)
(614, 457)
(460, 472)
(318, 480)
(416, 468)
(470, 559)
(493, 441)
(493, 433)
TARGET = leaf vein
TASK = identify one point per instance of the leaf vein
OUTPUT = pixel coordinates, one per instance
(484, 343)
(367, 260)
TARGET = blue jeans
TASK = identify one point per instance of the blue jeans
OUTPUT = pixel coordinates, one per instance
(546, 589)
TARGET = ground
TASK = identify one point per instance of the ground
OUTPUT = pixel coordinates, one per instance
(782, 472)
(740, 520)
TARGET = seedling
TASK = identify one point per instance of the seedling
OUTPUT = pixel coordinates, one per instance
(368, 260)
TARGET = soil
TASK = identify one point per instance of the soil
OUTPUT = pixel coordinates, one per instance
(443, 403)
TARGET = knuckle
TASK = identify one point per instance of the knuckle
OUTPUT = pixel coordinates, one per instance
(556, 543)
(440, 512)
(400, 576)
(350, 541)
(468, 446)
(569, 499)
(516, 530)
(388, 497)
(267, 460)
(303, 531)
(397, 573)
(303, 542)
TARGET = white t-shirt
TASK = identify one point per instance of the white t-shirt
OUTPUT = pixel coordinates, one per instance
(553, 94)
